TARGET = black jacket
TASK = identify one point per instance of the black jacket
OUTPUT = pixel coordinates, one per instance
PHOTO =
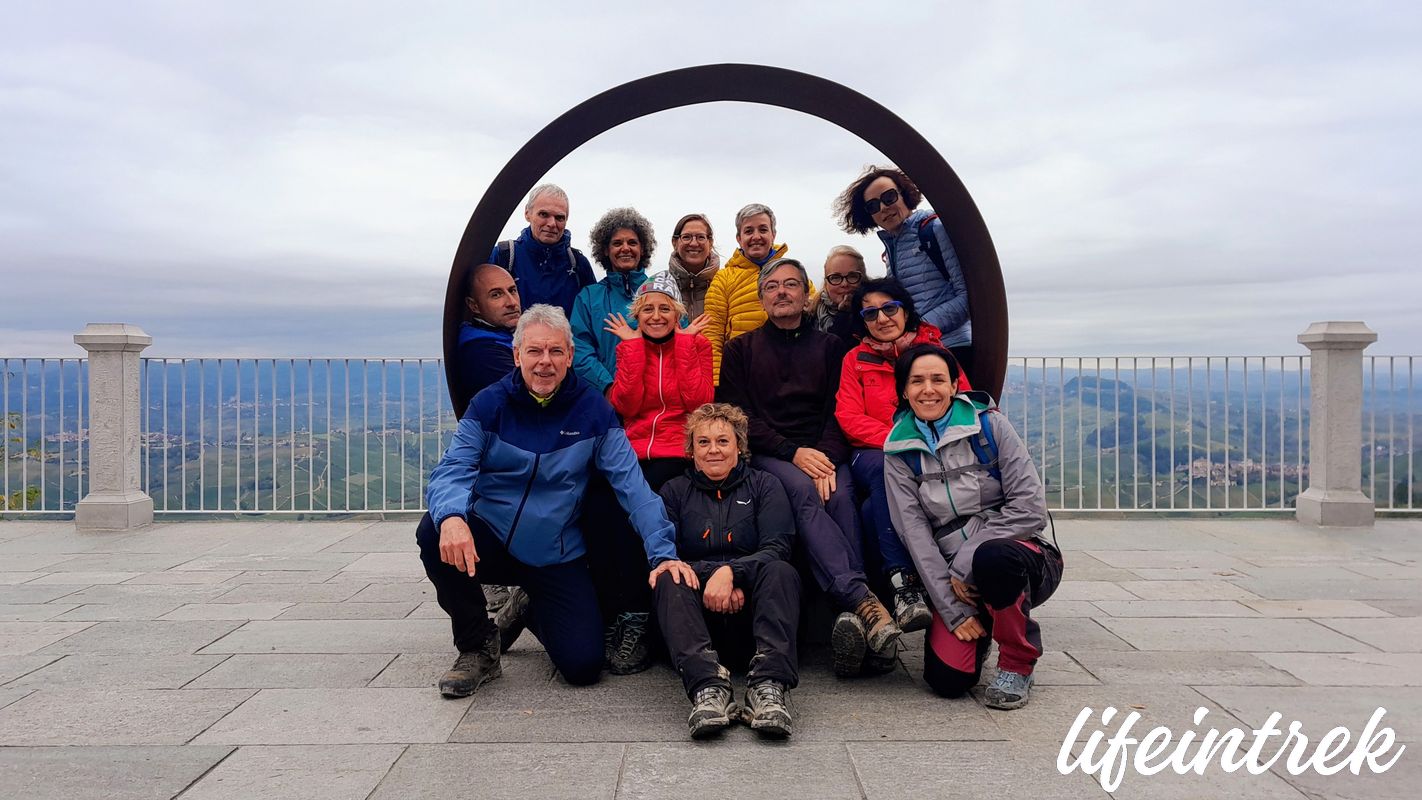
(742, 520)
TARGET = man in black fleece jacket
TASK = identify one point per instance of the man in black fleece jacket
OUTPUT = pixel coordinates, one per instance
(784, 375)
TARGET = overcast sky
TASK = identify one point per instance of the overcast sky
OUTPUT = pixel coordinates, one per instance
(292, 179)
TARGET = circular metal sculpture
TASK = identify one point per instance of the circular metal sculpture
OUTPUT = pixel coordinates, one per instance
(749, 83)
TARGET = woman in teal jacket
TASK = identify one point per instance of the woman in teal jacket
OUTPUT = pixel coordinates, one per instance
(622, 243)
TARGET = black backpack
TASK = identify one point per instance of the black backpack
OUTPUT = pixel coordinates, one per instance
(505, 257)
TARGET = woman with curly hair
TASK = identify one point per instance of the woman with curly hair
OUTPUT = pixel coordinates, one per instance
(622, 242)
(917, 248)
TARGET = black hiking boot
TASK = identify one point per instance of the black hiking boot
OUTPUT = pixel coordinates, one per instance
(768, 709)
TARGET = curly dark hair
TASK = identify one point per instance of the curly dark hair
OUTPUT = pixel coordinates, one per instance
(904, 365)
(849, 206)
(615, 220)
(893, 289)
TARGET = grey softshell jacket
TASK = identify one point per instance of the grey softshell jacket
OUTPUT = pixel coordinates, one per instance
(953, 484)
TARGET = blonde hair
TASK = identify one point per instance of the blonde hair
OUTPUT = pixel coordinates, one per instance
(643, 298)
(719, 412)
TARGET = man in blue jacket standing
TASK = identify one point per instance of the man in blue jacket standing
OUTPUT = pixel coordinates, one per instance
(500, 510)
(542, 259)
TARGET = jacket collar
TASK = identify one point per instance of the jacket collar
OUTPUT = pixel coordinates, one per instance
(689, 281)
(910, 226)
(738, 475)
(793, 334)
(962, 420)
(539, 249)
(626, 282)
(566, 395)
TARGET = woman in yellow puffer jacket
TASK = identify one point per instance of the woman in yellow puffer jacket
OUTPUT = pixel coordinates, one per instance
(732, 301)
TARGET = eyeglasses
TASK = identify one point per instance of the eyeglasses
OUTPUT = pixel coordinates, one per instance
(789, 284)
(890, 309)
(851, 278)
(888, 198)
(693, 237)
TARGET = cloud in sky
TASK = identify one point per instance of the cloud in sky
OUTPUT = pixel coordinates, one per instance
(275, 180)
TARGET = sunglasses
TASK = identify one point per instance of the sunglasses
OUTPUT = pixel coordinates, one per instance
(890, 309)
(851, 278)
(888, 198)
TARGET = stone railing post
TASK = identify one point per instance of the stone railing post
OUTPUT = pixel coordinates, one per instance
(116, 501)
(1335, 428)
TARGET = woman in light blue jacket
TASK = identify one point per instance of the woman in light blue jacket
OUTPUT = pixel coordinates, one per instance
(918, 250)
(622, 242)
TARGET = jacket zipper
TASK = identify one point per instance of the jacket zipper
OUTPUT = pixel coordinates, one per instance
(661, 356)
(528, 487)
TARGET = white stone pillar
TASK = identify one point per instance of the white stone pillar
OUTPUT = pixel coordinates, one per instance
(1335, 428)
(116, 500)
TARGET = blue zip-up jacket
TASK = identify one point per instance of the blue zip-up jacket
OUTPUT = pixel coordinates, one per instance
(595, 350)
(523, 468)
(943, 304)
(543, 272)
(484, 355)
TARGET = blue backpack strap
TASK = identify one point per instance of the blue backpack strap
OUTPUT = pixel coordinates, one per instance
(984, 446)
(928, 243)
(915, 464)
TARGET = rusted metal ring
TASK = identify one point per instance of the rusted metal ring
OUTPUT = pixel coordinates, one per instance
(749, 83)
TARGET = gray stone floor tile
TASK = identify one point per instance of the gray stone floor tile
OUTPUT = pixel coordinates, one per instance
(1150, 668)
(130, 671)
(1056, 608)
(750, 770)
(1350, 669)
(1314, 608)
(1215, 783)
(124, 592)
(290, 593)
(1169, 559)
(299, 562)
(423, 670)
(389, 563)
(1240, 635)
(29, 593)
(81, 578)
(1322, 708)
(1379, 569)
(1086, 634)
(1356, 589)
(348, 610)
(120, 562)
(16, 578)
(1175, 608)
(339, 716)
(870, 711)
(123, 611)
(428, 610)
(1401, 782)
(281, 576)
(337, 636)
(956, 771)
(18, 638)
(12, 667)
(1214, 589)
(1090, 591)
(1398, 608)
(276, 539)
(545, 771)
(9, 695)
(292, 671)
(114, 716)
(178, 577)
(232, 611)
(149, 636)
(649, 706)
(311, 772)
(1395, 635)
(114, 773)
(62, 543)
(32, 612)
(414, 591)
(1053, 711)
(30, 562)
(1186, 573)
(380, 537)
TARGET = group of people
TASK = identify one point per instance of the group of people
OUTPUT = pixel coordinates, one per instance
(670, 453)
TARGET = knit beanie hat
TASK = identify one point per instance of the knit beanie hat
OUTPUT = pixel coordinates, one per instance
(663, 282)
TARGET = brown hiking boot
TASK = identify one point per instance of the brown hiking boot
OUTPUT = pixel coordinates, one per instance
(880, 628)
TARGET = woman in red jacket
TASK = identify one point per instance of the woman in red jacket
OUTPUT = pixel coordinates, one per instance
(887, 325)
(663, 374)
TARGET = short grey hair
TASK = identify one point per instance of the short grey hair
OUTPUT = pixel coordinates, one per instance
(777, 263)
(545, 188)
(754, 209)
(543, 314)
(846, 250)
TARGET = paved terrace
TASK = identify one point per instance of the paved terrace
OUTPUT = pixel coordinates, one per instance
(298, 659)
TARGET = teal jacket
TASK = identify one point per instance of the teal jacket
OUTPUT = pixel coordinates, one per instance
(594, 349)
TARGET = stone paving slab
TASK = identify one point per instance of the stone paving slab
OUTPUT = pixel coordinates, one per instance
(32, 612)
(1244, 635)
(113, 773)
(283, 671)
(1055, 708)
(82, 578)
(1150, 668)
(114, 716)
(338, 716)
(1352, 589)
(289, 593)
(753, 771)
(1400, 635)
(962, 771)
(1314, 609)
(1322, 708)
(337, 636)
(29, 593)
(226, 611)
(1350, 669)
(1209, 589)
(12, 667)
(130, 671)
(147, 636)
(507, 772)
(138, 610)
(1175, 608)
(18, 638)
(348, 610)
(331, 772)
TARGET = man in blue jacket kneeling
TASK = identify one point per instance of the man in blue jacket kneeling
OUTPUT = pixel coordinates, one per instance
(504, 507)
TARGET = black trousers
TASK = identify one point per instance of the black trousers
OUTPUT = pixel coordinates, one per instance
(761, 637)
(615, 552)
(562, 600)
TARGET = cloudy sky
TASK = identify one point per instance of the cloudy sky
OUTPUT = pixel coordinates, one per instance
(265, 178)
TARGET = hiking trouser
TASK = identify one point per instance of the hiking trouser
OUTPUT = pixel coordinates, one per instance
(658, 471)
(616, 555)
(760, 637)
(563, 611)
(828, 531)
(867, 466)
(1012, 577)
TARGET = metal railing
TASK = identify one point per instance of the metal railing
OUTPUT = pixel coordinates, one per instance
(336, 435)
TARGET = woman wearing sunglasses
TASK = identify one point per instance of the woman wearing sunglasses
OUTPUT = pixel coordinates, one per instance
(888, 324)
(917, 248)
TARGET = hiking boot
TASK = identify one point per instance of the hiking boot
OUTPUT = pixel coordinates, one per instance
(768, 708)
(881, 663)
(630, 652)
(1009, 691)
(711, 711)
(879, 627)
(910, 606)
(849, 643)
(495, 596)
(510, 618)
(470, 671)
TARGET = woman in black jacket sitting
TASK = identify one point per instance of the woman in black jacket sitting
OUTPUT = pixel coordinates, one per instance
(735, 527)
